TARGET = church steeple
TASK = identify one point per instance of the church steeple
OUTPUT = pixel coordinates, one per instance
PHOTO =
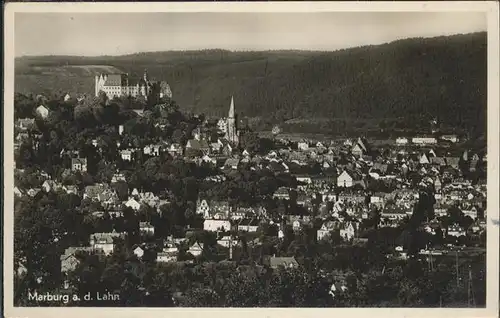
(231, 108)
(232, 127)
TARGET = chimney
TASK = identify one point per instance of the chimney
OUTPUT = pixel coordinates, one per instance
(230, 247)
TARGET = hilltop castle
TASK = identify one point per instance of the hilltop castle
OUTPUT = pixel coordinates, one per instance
(117, 85)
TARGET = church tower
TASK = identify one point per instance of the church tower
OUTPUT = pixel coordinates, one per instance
(232, 129)
(144, 84)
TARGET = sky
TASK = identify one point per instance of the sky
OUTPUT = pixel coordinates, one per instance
(94, 34)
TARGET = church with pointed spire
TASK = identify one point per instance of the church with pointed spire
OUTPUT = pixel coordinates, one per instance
(232, 134)
(229, 126)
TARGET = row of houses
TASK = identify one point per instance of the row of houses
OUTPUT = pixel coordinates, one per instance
(423, 140)
(104, 244)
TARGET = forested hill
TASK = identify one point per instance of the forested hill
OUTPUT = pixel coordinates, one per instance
(442, 77)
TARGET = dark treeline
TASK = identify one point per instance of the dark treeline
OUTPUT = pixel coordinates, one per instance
(442, 78)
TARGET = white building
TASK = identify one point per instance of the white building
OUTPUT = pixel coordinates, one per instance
(349, 179)
(203, 208)
(104, 241)
(147, 228)
(132, 203)
(424, 140)
(377, 198)
(42, 111)
(216, 225)
(196, 249)
(452, 138)
(348, 231)
(303, 145)
(248, 225)
(456, 231)
(222, 125)
(401, 141)
(152, 150)
(225, 241)
(166, 256)
(139, 252)
(117, 85)
(126, 155)
(325, 230)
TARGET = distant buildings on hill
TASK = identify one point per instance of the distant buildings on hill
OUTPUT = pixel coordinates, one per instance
(117, 85)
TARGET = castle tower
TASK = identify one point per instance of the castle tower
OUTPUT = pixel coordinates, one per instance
(145, 84)
(232, 129)
(99, 83)
(96, 85)
(231, 108)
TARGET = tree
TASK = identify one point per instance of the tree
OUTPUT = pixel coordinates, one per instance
(26, 156)
(249, 141)
(122, 190)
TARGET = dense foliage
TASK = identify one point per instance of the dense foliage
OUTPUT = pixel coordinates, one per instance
(48, 223)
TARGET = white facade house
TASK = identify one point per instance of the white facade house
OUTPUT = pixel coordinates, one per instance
(203, 208)
(424, 140)
(348, 179)
(348, 231)
(225, 241)
(104, 241)
(152, 150)
(456, 231)
(132, 203)
(147, 228)
(424, 159)
(222, 125)
(42, 111)
(305, 179)
(196, 249)
(358, 150)
(116, 85)
(166, 256)
(344, 180)
(303, 145)
(325, 230)
(139, 252)
(248, 225)
(452, 138)
(126, 155)
(471, 212)
(401, 141)
(377, 199)
(216, 225)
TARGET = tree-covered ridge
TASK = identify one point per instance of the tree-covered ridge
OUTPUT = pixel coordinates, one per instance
(443, 78)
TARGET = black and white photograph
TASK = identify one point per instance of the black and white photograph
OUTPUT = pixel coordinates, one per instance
(244, 158)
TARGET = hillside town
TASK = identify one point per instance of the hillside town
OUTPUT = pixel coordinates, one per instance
(161, 187)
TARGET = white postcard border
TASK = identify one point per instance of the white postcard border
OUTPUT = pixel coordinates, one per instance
(489, 7)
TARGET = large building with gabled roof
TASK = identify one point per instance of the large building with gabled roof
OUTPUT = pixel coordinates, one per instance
(117, 85)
